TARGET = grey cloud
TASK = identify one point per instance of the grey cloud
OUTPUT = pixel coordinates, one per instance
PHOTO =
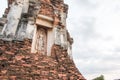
(117, 49)
(84, 30)
(112, 58)
(98, 63)
(97, 66)
(81, 25)
(88, 53)
(105, 62)
(87, 27)
(87, 3)
(109, 38)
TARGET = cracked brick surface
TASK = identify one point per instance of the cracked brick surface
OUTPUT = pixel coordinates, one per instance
(17, 63)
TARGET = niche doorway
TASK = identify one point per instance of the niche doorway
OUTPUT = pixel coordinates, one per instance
(41, 40)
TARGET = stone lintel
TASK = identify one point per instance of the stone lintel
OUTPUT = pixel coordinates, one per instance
(44, 21)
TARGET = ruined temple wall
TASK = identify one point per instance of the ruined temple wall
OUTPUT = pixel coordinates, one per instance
(26, 17)
(44, 23)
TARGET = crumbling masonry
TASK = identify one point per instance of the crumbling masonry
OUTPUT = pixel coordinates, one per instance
(35, 43)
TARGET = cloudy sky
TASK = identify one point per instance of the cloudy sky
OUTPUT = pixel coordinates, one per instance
(95, 27)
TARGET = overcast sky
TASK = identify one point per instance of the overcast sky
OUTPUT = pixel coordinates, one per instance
(95, 27)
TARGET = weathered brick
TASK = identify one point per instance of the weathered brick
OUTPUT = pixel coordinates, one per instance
(18, 62)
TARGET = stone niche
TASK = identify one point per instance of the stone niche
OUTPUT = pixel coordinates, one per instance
(48, 30)
(46, 35)
(43, 37)
(41, 40)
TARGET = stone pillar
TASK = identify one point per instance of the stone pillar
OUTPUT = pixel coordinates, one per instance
(25, 6)
(69, 50)
(63, 18)
(30, 28)
(64, 39)
(21, 31)
(13, 19)
(57, 34)
(50, 41)
(33, 49)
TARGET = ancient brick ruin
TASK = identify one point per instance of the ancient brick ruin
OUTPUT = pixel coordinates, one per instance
(35, 43)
